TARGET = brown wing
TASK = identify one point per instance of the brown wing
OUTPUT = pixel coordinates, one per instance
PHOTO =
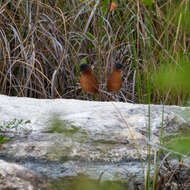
(114, 82)
(89, 83)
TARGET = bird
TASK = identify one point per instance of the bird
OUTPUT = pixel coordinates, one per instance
(88, 80)
(114, 82)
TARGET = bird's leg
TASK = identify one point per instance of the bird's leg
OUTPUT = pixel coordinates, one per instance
(89, 97)
(103, 95)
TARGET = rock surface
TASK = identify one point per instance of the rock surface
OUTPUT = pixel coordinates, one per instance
(64, 137)
(14, 176)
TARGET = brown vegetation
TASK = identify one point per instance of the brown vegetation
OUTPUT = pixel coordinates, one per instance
(42, 43)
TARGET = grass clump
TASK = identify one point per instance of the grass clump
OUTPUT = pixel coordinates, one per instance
(171, 80)
(13, 125)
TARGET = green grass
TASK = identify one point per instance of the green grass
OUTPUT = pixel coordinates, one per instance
(180, 144)
(3, 139)
(15, 124)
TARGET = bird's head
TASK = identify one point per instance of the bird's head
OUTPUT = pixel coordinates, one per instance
(83, 67)
(118, 66)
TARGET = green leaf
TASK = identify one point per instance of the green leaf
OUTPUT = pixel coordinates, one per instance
(27, 121)
(83, 60)
(90, 35)
(2, 139)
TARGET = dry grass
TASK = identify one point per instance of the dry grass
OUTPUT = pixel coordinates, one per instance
(173, 176)
(42, 43)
